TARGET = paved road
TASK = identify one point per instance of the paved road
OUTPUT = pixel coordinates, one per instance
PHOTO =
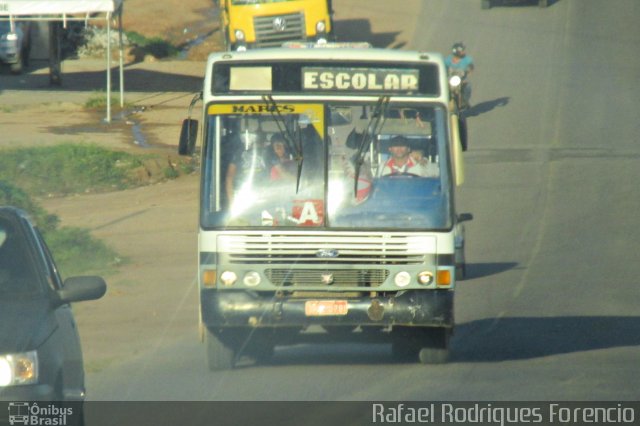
(551, 308)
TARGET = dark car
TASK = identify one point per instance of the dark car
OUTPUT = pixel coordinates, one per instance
(40, 352)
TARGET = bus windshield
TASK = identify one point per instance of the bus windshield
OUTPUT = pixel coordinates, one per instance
(334, 165)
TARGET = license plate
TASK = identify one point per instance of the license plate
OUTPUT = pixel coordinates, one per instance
(316, 308)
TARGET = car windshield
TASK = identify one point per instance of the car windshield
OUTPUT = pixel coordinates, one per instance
(5, 27)
(328, 166)
(17, 272)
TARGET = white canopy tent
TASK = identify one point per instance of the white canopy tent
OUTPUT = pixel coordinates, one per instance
(72, 10)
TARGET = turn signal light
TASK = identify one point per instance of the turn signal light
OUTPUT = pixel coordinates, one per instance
(443, 278)
(209, 278)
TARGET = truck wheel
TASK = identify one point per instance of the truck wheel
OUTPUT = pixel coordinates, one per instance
(221, 349)
(486, 4)
(434, 346)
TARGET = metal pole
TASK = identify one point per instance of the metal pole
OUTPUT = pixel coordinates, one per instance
(108, 119)
(121, 56)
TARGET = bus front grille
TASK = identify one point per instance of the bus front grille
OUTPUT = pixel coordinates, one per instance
(334, 277)
(272, 31)
(296, 250)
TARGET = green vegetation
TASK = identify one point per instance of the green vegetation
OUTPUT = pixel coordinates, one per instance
(69, 168)
(154, 46)
(75, 251)
(98, 101)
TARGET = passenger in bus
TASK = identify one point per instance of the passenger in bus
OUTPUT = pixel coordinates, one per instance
(281, 161)
(401, 163)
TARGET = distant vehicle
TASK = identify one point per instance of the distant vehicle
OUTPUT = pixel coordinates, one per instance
(40, 352)
(486, 4)
(249, 24)
(15, 44)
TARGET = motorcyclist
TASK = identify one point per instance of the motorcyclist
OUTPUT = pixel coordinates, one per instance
(459, 61)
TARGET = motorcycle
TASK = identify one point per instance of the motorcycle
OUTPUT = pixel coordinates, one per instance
(457, 86)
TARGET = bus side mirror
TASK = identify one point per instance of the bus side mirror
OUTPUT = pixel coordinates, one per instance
(465, 217)
(188, 134)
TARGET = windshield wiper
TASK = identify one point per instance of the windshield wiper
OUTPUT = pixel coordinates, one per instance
(293, 140)
(378, 117)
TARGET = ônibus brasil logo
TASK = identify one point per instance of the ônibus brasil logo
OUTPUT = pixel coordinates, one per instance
(32, 414)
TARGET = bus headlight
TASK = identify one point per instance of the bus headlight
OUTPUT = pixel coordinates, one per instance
(321, 27)
(19, 369)
(425, 277)
(251, 279)
(239, 35)
(402, 279)
(228, 278)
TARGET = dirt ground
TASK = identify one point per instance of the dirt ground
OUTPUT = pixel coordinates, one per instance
(155, 227)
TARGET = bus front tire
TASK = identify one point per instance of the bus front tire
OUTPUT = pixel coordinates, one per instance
(221, 349)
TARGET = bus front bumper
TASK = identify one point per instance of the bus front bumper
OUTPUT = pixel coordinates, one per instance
(432, 308)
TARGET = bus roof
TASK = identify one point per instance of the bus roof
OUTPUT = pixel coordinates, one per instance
(328, 54)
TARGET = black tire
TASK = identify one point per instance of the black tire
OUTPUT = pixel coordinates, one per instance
(434, 346)
(16, 68)
(485, 4)
(403, 344)
(222, 349)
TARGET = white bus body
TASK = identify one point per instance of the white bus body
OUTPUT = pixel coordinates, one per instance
(327, 199)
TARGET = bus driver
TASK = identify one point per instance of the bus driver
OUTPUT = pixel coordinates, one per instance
(401, 163)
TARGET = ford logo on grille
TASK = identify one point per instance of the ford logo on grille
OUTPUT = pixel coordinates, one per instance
(327, 253)
(279, 24)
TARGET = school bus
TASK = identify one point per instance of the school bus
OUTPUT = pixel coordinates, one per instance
(327, 202)
(269, 23)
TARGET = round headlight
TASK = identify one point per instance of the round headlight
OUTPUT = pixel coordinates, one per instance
(321, 26)
(425, 277)
(455, 81)
(239, 35)
(251, 279)
(228, 278)
(402, 279)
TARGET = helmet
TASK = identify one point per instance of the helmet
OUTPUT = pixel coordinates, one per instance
(458, 48)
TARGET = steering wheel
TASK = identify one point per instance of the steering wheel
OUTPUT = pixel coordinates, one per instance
(403, 174)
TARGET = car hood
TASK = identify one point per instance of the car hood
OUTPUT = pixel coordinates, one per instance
(25, 324)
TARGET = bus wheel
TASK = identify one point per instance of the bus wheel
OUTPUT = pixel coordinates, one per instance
(222, 348)
(403, 344)
(434, 346)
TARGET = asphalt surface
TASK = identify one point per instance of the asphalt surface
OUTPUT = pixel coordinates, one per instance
(550, 309)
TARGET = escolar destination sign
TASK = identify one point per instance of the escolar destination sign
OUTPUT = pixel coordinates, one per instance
(360, 79)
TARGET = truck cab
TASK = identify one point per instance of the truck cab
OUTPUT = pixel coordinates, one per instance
(250, 24)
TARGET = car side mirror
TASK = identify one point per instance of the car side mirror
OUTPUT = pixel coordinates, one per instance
(188, 135)
(465, 217)
(77, 289)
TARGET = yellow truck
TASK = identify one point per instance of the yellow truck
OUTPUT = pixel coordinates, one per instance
(248, 24)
